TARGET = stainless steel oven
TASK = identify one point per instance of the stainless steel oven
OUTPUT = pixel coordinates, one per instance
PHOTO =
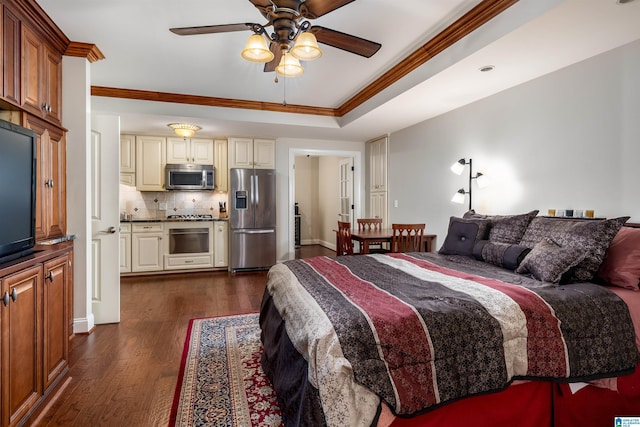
(189, 244)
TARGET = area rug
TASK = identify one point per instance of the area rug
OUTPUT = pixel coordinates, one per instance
(221, 382)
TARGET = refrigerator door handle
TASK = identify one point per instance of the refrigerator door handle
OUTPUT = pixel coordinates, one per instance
(256, 191)
(252, 231)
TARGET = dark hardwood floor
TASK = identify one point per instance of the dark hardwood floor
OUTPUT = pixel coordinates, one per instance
(125, 374)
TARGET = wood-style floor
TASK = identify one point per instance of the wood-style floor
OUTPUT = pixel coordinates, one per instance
(125, 374)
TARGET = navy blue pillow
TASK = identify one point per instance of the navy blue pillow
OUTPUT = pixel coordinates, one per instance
(462, 235)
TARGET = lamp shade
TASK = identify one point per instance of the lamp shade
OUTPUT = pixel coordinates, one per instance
(306, 47)
(459, 196)
(482, 180)
(184, 130)
(458, 166)
(289, 66)
(257, 50)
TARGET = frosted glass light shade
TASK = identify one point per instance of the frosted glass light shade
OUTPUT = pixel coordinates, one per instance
(458, 166)
(306, 48)
(289, 66)
(257, 50)
(184, 130)
(459, 196)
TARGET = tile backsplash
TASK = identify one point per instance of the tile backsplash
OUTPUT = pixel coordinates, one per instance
(147, 204)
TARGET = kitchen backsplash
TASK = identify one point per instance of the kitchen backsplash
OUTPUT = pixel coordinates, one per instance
(147, 204)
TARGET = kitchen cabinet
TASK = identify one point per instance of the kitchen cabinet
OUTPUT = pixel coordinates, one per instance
(128, 160)
(35, 315)
(150, 162)
(221, 243)
(41, 76)
(378, 206)
(125, 248)
(252, 153)
(12, 53)
(190, 150)
(221, 164)
(378, 164)
(146, 247)
(51, 198)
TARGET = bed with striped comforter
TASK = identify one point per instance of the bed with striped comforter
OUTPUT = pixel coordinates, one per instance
(344, 336)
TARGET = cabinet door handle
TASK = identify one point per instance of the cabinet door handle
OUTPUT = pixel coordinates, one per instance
(5, 298)
(51, 276)
(14, 295)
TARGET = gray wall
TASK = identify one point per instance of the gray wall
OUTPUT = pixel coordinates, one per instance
(570, 139)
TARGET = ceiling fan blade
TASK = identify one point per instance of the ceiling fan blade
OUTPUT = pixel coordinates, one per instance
(262, 6)
(209, 29)
(347, 42)
(312, 9)
(277, 54)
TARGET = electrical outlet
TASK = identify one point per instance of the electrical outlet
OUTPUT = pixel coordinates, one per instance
(395, 203)
(162, 206)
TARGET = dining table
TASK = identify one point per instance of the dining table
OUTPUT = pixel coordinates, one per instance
(384, 235)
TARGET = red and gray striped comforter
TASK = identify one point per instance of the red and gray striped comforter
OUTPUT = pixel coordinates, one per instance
(419, 330)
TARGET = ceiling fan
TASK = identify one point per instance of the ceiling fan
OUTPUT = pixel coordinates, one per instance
(289, 19)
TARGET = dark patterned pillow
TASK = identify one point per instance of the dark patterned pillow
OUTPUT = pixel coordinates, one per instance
(592, 236)
(462, 236)
(506, 228)
(501, 254)
(548, 261)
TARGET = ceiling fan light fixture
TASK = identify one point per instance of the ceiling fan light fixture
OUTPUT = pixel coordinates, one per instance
(289, 66)
(257, 50)
(306, 47)
(184, 130)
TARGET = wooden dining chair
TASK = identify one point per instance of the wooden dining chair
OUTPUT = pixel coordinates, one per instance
(407, 237)
(365, 224)
(344, 244)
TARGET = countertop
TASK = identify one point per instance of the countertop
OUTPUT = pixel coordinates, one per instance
(173, 220)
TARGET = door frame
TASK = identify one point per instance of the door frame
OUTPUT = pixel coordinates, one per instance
(357, 185)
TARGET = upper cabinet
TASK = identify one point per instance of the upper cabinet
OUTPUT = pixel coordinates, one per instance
(378, 164)
(12, 52)
(151, 159)
(252, 153)
(128, 160)
(41, 78)
(221, 164)
(190, 150)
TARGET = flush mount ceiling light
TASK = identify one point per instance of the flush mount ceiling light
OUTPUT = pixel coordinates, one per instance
(292, 34)
(184, 130)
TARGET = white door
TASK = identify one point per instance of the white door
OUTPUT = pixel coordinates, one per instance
(105, 159)
(346, 190)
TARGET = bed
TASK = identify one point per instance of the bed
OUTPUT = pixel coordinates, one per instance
(500, 327)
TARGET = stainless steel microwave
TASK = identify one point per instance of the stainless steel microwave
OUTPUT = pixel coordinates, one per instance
(189, 177)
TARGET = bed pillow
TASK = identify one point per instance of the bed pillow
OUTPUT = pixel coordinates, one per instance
(621, 265)
(501, 254)
(548, 261)
(462, 236)
(592, 236)
(506, 228)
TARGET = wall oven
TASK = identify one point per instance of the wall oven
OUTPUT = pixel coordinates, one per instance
(189, 244)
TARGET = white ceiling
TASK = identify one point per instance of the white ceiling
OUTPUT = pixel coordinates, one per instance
(530, 39)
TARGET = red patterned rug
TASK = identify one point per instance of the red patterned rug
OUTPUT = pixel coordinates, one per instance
(221, 382)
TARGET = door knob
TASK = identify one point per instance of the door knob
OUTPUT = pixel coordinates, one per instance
(110, 230)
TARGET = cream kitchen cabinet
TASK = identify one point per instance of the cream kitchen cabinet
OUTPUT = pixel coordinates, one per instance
(128, 160)
(190, 150)
(221, 243)
(146, 246)
(252, 153)
(378, 164)
(378, 206)
(151, 158)
(221, 163)
(125, 248)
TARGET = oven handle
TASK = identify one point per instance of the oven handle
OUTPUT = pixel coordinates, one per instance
(254, 231)
(188, 231)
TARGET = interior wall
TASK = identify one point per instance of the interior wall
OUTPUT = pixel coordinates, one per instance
(567, 140)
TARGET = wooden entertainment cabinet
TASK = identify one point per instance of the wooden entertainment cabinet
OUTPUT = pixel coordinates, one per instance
(36, 311)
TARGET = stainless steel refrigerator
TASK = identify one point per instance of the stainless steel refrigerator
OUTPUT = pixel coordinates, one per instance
(252, 219)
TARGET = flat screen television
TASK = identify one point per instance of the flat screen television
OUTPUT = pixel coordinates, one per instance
(17, 191)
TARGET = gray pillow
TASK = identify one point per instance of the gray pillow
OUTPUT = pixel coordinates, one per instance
(506, 228)
(548, 261)
(591, 236)
(462, 236)
(501, 254)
